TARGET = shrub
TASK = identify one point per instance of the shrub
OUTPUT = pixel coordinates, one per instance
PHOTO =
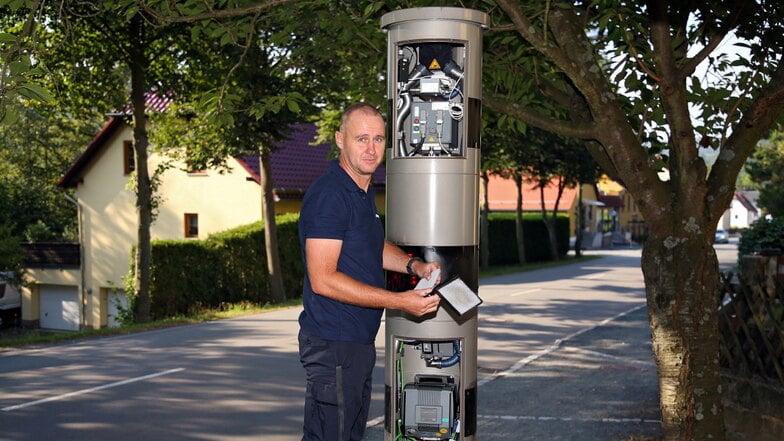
(11, 252)
(764, 234)
(227, 267)
(230, 267)
(503, 245)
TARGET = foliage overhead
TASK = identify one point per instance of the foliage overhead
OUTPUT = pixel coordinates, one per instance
(34, 153)
(766, 168)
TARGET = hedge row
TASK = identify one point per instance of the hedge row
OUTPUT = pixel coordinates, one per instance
(503, 245)
(230, 267)
(225, 268)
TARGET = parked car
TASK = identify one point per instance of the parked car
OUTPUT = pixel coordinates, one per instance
(721, 237)
(10, 300)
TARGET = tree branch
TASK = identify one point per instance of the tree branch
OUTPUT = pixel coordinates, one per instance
(215, 13)
(689, 67)
(561, 127)
(602, 122)
(528, 31)
(684, 155)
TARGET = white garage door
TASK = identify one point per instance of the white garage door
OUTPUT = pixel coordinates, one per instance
(59, 307)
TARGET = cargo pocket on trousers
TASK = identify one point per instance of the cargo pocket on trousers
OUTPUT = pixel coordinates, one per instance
(321, 419)
(323, 394)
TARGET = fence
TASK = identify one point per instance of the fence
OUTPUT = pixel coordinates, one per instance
(639, 230)
(750, 319)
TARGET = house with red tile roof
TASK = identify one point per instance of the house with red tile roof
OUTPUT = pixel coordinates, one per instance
(295, 163)
(502, 197)
(609, 211)
(192, 205)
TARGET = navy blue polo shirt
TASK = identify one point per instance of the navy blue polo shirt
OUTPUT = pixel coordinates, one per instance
(334, 207)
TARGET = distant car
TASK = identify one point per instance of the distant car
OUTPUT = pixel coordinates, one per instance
(721, 237)
(10, 300)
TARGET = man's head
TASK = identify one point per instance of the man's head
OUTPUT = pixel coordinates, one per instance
(361, 140)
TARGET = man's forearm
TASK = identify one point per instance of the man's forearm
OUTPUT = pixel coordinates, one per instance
(395, 259)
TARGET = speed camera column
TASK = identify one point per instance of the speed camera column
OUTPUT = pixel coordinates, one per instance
(434, 61)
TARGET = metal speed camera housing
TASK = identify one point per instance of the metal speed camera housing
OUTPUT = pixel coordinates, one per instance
(434, 90)
(434, 64)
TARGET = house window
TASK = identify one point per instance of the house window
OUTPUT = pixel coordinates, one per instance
(129, 164)
(191, 225)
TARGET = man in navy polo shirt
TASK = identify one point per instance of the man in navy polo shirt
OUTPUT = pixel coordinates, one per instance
(345, 255)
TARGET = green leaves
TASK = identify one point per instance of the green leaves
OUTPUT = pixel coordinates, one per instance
(34, 152)
(15, 4)
(763, 234)
(34, 92)
(11, 252)
(766, 168)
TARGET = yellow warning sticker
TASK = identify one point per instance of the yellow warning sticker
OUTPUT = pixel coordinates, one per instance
(434, 65)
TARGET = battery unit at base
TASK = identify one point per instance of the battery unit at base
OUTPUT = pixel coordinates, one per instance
(429, 408)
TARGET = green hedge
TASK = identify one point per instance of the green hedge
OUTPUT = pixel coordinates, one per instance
(183, 277)
(225, 268)
(503, 245)
(764, 234)
(231, 266)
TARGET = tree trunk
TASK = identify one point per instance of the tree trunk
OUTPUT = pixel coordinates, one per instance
(484, 224)
(143, 256)
(681, 286)
(519, 219)
(277, 291)
(549, 224)
(579, 226)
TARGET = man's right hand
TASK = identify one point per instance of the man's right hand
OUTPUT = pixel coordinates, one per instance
(418, 302)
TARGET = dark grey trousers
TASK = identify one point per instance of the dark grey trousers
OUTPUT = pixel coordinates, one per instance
(339, 382)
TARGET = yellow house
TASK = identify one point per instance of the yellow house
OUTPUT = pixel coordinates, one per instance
(89, 291)
(621, 205)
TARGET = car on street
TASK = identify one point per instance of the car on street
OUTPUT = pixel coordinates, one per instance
(721, 237)
(10, 300)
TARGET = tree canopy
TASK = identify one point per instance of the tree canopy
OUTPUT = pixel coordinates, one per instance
(644, 85)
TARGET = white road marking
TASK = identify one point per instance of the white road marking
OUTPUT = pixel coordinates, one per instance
(549, 418)
(528, 291)
(594, 276)
(375, 421)
(92, 389)
(624, 360)
(554, 347)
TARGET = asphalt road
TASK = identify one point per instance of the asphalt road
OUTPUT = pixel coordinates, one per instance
(240, 379)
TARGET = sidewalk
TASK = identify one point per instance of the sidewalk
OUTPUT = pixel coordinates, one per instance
(599, 384)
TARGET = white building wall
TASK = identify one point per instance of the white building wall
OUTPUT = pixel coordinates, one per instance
(221, 200)
(110, 220)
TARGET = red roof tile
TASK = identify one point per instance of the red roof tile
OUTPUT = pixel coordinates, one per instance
(503, 196)
(153, 101)
(296, 163)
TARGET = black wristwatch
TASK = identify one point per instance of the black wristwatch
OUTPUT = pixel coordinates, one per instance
(411, 261)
